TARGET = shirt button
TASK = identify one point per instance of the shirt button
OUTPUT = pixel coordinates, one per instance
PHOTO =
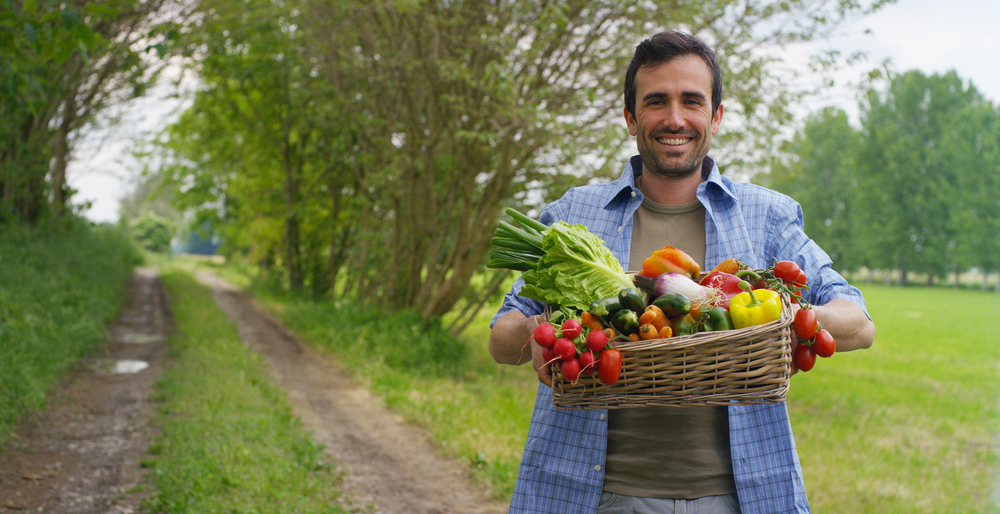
(620, 229)
(602, 416)
(633, 194)
(597, 467)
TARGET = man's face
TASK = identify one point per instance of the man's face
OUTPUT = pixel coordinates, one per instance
(674, 122)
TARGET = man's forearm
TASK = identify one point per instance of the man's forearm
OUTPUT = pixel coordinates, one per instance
(847, 323)
(509, 337)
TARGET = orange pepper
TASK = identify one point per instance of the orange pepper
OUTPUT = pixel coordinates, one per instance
(666, 332)
(633, 337)
(654, 316)
(610, 332)
(647, 331)
(670, 259)
(588, 320)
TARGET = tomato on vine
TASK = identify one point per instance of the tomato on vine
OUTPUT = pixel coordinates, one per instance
(787, 271)
(805, 324)
(804, 357)
(824, 346)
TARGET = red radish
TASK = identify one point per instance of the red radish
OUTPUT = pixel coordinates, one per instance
(588, 363)
(548, 355)
(571, 370)
(545, 335)
(597, 340)
(571, 329)
(564, 348)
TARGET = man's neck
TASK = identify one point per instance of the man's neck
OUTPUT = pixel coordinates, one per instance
(667, 191)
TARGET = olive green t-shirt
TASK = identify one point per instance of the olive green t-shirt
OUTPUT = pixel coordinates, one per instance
(668, 452)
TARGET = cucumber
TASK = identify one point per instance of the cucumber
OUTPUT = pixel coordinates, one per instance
(605, 306)
(631, 299)
(673, 305)
(625, 321)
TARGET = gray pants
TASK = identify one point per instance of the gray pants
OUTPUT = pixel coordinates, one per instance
(612, 503)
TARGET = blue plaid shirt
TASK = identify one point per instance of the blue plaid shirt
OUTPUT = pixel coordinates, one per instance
(562, 469)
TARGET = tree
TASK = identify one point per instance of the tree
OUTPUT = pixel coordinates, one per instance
(62, 64)
(821, 175)
(396, 132)
(914, 157)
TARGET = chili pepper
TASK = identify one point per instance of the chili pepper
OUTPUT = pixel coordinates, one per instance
(670, 260)
(727, 285)
(754, 307)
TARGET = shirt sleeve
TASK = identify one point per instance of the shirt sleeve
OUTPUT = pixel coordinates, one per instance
(790, 242)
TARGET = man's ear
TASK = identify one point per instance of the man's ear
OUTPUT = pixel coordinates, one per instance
(633, 128)
(717, 120)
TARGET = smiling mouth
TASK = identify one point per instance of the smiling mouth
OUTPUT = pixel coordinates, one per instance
(672, 141)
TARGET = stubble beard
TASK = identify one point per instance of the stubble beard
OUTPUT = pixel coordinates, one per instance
(654, 164)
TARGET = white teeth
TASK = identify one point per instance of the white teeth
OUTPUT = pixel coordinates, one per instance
(672, 142)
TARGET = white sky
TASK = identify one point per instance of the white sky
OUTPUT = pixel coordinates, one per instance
(933, 36)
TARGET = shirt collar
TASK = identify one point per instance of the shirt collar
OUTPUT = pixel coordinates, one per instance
(714, 182)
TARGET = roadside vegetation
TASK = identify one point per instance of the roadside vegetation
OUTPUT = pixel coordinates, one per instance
(60, 285)
(229, 440)
(907, 426)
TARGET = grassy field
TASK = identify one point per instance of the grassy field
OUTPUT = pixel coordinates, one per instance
(229, 441)
(907, 426)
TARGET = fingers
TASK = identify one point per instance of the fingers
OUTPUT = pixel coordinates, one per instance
(542, 368)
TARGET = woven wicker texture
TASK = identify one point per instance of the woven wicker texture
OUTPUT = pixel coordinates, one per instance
(732, 367)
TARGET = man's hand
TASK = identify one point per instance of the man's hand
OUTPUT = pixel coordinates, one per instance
(847, 323)
(543, 368)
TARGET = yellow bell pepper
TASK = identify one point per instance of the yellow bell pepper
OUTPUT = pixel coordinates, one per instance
(754, 307)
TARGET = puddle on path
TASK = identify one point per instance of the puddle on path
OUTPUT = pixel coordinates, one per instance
(137, 338)
(118, 367)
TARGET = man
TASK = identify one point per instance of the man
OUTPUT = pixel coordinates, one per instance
(709, 459)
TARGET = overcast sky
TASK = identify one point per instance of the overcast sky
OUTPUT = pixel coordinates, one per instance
(933, 36)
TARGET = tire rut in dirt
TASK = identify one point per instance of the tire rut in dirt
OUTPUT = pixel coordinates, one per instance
(387, 462)
(82, 453)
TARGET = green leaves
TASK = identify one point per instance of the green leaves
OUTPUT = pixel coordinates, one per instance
(576, 270)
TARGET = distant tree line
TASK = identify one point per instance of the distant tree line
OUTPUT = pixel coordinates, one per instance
(914, 189)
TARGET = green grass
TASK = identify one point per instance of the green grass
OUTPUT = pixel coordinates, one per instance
(909, 425)
(229, 442)
(60, 284)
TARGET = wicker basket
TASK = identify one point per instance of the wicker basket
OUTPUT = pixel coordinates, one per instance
(732, 367)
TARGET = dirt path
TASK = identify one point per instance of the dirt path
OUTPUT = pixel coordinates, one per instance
(82, 453)
(388, 463)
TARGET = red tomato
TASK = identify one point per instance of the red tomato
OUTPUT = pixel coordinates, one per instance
(824, 345)
(571, 328)
(564, 348)
(804, 357)
(801, 279)
(545, 335)
(571, 370)
(787, 271)
(588, 363)
(597, 340)
(609, 366)
(805, 324)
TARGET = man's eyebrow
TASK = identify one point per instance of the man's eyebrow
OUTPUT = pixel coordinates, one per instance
(686, 94)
